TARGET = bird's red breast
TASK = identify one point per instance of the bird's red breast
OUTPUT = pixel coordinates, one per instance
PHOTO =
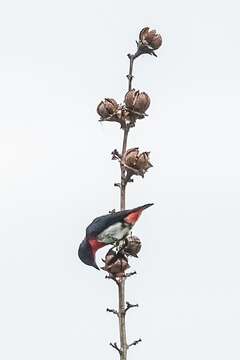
(133, 217)
(95, 245)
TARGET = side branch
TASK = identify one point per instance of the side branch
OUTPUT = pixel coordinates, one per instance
(129, 306)
(114, 345)
(130, 274)
(112, 311)
(134, 343)
(111, 277)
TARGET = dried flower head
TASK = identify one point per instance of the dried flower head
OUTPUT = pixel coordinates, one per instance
(107, 108)
(135, 162)
(109, 257)
(150, 38)
(131, 157)
(143, 162)
(133, 246)
(115, 264)
(137, 101)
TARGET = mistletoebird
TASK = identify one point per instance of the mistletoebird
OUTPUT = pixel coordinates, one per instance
(106, 230)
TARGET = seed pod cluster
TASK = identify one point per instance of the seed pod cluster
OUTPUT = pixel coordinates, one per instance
(135, 105)
(107, 108)
(133, 246)
(150, 38)
(135, 160)
(137, 101)
(115, 264)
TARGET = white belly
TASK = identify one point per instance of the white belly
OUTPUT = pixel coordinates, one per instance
(114, 233)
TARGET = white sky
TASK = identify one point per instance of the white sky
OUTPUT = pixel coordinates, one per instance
(58, 59)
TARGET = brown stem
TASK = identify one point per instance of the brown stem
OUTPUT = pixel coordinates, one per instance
(122, 319)
(123, 171)
(125, 138)
(121, 282)
(130, 74)
(123, 183)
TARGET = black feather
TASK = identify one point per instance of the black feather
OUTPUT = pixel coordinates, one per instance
(102, 222)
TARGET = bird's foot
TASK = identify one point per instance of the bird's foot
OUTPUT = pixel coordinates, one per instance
(121, 245)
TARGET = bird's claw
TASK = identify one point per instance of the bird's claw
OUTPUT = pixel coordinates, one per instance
(120, 245)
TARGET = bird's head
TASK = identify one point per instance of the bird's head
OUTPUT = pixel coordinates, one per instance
(87, 250)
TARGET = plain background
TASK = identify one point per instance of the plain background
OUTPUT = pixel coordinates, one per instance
(58, 59)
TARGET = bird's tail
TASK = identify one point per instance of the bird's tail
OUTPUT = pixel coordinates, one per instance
(143, 207)
(134, 214)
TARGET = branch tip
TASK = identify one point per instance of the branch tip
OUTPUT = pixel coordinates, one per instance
(114, 345)
(112, 311)
(134, 343)
(130, 274)
(129, 306)
(112, 278)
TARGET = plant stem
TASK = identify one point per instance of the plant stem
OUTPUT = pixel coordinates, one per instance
(121, 281)
(130, 75)
(122, 320)
(123, 171)
(125, 138)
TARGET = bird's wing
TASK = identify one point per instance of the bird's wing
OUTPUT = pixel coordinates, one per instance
(100, 223)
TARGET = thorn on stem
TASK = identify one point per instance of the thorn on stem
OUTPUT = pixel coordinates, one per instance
(130, 274)
(111, 277)
(112, 311)
(114, 345)
(129, 306)
(134, 343)
(116, 155)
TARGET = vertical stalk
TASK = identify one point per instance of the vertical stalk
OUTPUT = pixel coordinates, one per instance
(130, 75)
(123, 171)
(121, 281)
(122, 319)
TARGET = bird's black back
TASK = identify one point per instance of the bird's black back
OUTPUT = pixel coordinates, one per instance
(102, 222)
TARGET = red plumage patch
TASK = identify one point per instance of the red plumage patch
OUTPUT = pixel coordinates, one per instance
(95, 245)
(133, 217)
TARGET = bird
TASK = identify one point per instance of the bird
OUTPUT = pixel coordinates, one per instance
(108, 229)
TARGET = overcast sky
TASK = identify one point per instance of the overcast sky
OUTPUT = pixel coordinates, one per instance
(58, 59)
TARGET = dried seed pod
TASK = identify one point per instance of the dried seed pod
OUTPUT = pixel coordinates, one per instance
(119, 266)
(107, 108)
(109, 257)
(137, 101)
(131, 157)
(135, 163)
(129, 98)
(115, 264)
(150, 38)
(133, 246)
(143, 162)
(142, 102)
